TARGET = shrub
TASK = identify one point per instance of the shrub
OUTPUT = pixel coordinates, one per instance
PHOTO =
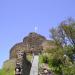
(44, 59)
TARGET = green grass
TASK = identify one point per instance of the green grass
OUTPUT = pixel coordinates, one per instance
(8, 67)
(6, 72)
(29, 57)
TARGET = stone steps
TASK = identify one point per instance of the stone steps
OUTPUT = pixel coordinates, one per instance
(34, 68)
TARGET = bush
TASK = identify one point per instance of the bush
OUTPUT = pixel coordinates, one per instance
(44, 59)
(6, 72)
(69, 70)
(2, 72)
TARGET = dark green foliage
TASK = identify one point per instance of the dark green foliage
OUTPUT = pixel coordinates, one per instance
(44, 59)
(26, 65)
(56, 62)
(62, 59)
(69, 52)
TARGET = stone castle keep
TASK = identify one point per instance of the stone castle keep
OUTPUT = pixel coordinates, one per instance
(31, 43)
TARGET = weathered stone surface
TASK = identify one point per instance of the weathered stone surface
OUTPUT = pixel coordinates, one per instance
(31, 43)
(44, 70)
(14, 50)
(48, 45)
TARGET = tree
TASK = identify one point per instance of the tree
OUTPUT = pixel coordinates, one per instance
(64, 38)
(58, 36)
(68, 27)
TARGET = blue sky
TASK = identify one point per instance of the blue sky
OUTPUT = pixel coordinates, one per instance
(19, 17)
